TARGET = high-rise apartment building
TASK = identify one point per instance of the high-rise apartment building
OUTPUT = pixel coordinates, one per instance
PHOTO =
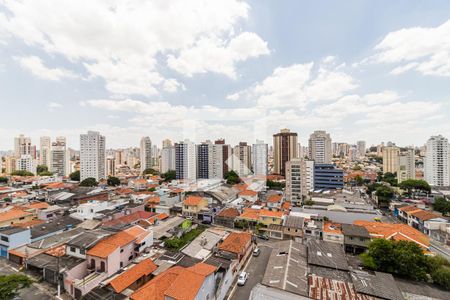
(26, 163)
(242, 159)
(167, 156)
(407, 166)
(260, 158)
(44, 151)
(10, 164)
(320, 147)
(185, 160)
(92, 155)
(22, 146)
(110, 166)
(59, 157)
(227, 160)
(209, 161)
(361, 146)
(437, 161)
(284, 149)
(299, 179)
(145, 153)
(391, 156)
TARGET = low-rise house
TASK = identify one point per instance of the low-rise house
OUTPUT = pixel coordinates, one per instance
(397, 232)
(418, 219)
(197, 282)
(439, 232)
(404, 213)
(226, 217)
(249, 216)
(269, 217)
(130, 219)
(53, 227)
(332, 233)
(249, 195)
(356, 238)
(79, 245)
(192, 206)
(13, 237)
(236, 246)
(16, 216)
(293, 228)
(134, 276)
(274, 201)
(312, 229)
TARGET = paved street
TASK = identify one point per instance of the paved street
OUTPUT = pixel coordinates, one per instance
(440, 249)
(256, 269)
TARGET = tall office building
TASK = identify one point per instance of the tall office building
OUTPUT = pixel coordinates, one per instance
(185, 160)
(59, 159)
(167, 156)
(437, 161)
(145, 153)
(320, 147)
(284, 149)
(92, 155)
(407, 166)
(209, 161)
(110, 166)
(22, 146)
(299, 179)
(391, 155)
(226, 155)
(361, 146)
(242, 159)
(260, 158)
(44, 151)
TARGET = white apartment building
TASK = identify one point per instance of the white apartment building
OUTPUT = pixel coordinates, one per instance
(407, 166)
(92, 155)
(167, 158)
(185, 160)
(145, 153)
(26, 163)
(45, 149)
(110, 166)
(320, 147)
(260, 157)
(22, 146)
(437, 161)
(59, 161)
(299, 179)
(242, 159)
(361, 146)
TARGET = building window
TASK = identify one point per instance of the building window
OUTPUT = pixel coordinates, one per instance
(5, 238)
(72, 249)
(82, 251)
(130, 257)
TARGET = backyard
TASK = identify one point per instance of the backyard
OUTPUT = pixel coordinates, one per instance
(176, 243)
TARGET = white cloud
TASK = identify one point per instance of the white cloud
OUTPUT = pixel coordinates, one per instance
(125, 42)
(297, 85)
(35, 65)
(212, 55)
(54, 105)
(423, 49)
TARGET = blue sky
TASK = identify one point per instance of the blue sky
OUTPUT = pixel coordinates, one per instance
(362, 70)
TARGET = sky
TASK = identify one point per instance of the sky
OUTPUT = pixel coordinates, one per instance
(240, 70)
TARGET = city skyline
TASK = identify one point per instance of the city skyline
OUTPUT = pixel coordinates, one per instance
(242, 76)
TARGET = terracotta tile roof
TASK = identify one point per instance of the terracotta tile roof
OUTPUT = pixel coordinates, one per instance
(176, 191)
(228, 213)
(14, 214)
(408, 208)
(57, 251)
(177, 283)
(395, 232)
(55, 185)
(286, 205)
(29, 223)
(270, 213)
(274, 198)
(154, 200)
(140, 181)
(332, 228)
(250, 214)
(138, 232)
(124, 191)
(248, 193)
(193, 200)
(236, 242)
(162, 216)
(130, 276)
(424, 215)
(37, 205)
(241, 186)
(131, 218)
(107, 246)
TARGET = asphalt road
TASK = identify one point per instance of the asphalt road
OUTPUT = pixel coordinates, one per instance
(440, 249)
(256, 268)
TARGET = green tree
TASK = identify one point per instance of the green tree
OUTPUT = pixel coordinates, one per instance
(150, 171)
(359, 180)
(275, 185)
(22, 173)
(169, 175)
(442, 205)
(384, 194)
(390, 178)
(75, 176)
(113, 181)
(232, 177)
(441, 276)
(89, 182)
(42, 170)
(11, 284)
(412, 185)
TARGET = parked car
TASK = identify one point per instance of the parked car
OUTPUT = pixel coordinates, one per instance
(256, 252)
(263, 237)
(242, 278)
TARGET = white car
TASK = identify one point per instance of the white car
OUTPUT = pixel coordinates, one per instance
(242, 278)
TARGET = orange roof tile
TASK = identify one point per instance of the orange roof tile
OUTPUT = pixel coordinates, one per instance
(57, 251)
(241, 186)
(424, 215)
(274, 198)
(270, 213)
(248, 193)
(29, 223)
(331, 227)
(408, 208)
(37, 205)
(286, 205)
(395, 232)
(236, 242)
(155, 288)
(162, 216)
(193, 200)
(131, 218)
(228, 213)
(202, 269)
(127, 278)
(250, 214)
(107, 246)
(14, 214)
